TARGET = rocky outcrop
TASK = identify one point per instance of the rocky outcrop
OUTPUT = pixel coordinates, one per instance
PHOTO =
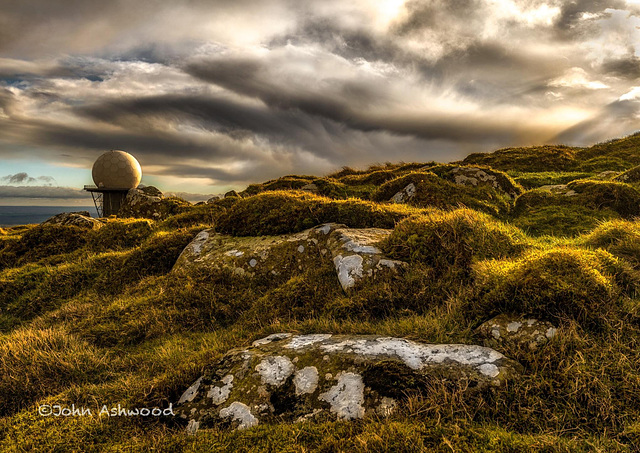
(143, 202)
(311, 187)
(559, 189)
(405, 194)
(286, 377)
(520, 331)
(352, 251)
(150, 203)
(80, 218)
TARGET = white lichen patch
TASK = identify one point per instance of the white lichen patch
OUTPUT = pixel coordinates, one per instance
(192, 427)
(405, 194)
(514, 326)
(191, 392)
(489, 369)
(416, 355)
(325, 229)
(349, 269)
(253, 262)
(234, 252)
(196, 245)
(301, 248)
(306, 380)
(275, 370)
(387, 406)
(551, 332)
(220, 394)
(241, 413)
(270, 338)
(301, 341)
(346, 397)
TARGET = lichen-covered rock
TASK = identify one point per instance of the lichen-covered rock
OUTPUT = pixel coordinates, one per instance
(311, 187)
(149, 203)
(80, 218)
(285, 377)
(630, 176)
(231, 193)
(526, 332)
(353, 253)
(405, 194)
(477, 176)
(356, 255)
(559, 189)
(213, 199)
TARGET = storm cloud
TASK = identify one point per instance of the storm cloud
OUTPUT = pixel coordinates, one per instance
(216, 95)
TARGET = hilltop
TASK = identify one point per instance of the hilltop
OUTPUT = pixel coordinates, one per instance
(529, 257)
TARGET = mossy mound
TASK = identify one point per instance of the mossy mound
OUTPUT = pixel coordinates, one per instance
(453, 240)
(575, 208)
(531, 159)
(285, 183)
(620, 237)
(40, 242)
(619, 197)
(533, 180)
(433, 191)
(553, 284)
(278, 212)
(120, 234)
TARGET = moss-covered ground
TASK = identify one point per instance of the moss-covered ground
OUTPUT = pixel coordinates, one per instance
(97, 317)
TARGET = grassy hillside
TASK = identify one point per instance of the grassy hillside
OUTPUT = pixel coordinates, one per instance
(98, 317)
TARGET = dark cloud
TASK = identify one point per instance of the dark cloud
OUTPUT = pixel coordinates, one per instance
(627, 67)
(572, 21)
(236, 91)
(24, 178)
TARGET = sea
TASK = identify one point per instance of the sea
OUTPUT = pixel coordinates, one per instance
(22, 215)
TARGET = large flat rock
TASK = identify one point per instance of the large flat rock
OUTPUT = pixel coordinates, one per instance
(286, 377)
(353, 252)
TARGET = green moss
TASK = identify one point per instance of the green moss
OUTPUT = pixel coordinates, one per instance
(560, 220)
(273, 213)
(433, 191)
(552, 284)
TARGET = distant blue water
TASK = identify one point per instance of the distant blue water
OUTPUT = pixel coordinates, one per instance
(22, 215)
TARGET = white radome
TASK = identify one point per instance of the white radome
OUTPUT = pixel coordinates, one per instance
(116, 169)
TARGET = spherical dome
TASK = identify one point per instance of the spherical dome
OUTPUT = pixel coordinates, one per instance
(116, 170)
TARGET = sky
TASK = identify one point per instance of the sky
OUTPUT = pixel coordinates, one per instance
(212, 95)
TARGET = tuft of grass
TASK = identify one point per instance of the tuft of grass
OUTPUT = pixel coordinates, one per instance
(40, 362)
